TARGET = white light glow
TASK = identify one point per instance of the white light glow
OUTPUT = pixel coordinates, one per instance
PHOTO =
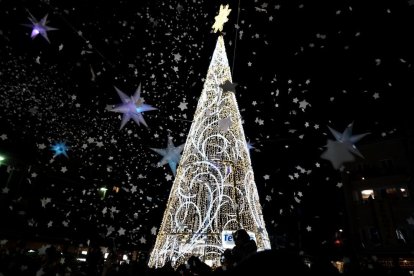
(367, 192)
(209, 262)
(84, 252)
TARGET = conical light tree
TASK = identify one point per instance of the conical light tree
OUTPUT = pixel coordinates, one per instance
(214, 192)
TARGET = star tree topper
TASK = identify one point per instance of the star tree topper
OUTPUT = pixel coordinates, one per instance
(132, 107)
(221, 18)
(171, 155)
(39, 27)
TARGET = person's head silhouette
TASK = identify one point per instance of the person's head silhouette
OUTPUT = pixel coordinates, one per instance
(240, 237)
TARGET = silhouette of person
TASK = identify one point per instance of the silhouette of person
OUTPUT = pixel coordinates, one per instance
(270, 262)
(244, 246)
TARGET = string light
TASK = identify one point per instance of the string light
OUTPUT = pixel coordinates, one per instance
(214, 189)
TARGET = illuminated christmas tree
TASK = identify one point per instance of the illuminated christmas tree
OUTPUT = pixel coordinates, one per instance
(214, 192)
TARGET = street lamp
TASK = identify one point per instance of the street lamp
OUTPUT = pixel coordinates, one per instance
(103, 192)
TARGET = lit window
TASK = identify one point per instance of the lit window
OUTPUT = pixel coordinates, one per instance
(397, 192)
(366, 194)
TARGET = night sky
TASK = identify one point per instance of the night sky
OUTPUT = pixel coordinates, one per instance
(299, 66)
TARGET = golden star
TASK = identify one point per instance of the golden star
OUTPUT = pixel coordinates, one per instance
(221, 18)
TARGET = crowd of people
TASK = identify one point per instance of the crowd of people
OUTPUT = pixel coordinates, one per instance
(242, 259)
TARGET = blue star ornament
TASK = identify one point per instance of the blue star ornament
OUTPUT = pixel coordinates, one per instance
(39, 27)
(348, 139)
(170, 155)
(132, 107)
(60, 149)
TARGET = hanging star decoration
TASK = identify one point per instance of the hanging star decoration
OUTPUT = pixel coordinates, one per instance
(132, 107)
(171, 155)
(342, 150)
(60, 148)
(221, 18)
(229, 86)
(225, 124)
(39, 27)
(337, 153)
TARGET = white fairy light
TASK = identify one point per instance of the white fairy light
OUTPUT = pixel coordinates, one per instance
(214, 189)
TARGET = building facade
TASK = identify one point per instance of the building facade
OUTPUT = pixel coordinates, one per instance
(379, 202)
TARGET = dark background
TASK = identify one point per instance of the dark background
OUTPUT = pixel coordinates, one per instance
(334, 54)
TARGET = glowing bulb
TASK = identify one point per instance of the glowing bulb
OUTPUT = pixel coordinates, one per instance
(35, 32)
(103, 191)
